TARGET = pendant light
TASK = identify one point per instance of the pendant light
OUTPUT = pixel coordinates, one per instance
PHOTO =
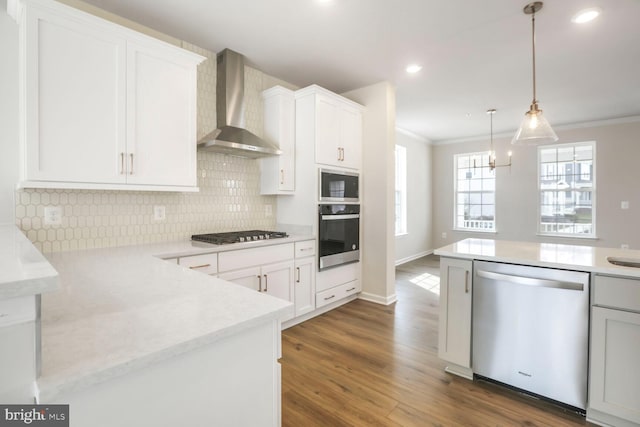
(492, 154)
(535, 128)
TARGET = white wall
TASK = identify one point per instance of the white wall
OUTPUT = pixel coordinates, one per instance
(378, 175)
(418, 241)
(617, 177)
(8, 114)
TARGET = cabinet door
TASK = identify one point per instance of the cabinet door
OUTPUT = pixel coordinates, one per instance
(454, 340)
(277, 280)
(350, 137)
(249, 278)
(74, 100)
(305, 286)
(278, 172)
(327, 132)
(161, 142)
(615, 354)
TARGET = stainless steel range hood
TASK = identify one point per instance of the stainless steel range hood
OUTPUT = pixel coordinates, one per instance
(231, 137)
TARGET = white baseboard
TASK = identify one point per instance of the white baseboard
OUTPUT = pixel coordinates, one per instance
(377, 298)
(413, 257)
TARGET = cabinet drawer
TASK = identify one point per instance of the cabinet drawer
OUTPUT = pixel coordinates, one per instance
(617, 292)
(335, 294)
(337, 276)
(207, 263)
(243, 258)
(306, 248)
(17, 310)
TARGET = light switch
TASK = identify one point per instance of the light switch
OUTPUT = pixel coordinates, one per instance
(159, 213)
(624, 204)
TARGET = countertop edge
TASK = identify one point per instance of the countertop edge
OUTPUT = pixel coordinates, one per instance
(49, 388)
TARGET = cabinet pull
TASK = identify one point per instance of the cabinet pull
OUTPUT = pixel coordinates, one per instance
(121, 163)
(352, 289)
(131, 170)
(259, 283)
(281, 176)
(328, 298)
(342, 150)
(339, 154)
(200, 266)
(466, 282)
(265, 283)
(298, 272)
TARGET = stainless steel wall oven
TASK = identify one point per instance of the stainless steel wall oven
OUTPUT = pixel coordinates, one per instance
(338, 235)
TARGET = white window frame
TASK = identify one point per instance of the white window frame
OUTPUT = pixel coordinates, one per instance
(592, 192)
(483, 166)
(401, 226)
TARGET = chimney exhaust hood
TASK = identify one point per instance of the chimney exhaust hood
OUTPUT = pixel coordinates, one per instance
(231, 137)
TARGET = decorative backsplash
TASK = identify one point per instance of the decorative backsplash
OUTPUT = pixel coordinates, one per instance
(229, 197)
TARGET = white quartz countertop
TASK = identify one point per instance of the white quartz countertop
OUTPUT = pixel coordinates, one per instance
(23, 269)
(121, 309)
(553, 255)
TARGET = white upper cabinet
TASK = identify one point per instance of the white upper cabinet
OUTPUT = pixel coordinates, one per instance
(103, 106)
(278, 172)
(337, 126)
(161, 138)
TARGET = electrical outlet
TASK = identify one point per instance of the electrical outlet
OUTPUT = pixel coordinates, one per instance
(624, 204)
(53, 215)
(444, 234)
(268, 211)
(624, 246)
(159, 213)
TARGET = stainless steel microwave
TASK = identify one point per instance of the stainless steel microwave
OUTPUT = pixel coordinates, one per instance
(338, 186)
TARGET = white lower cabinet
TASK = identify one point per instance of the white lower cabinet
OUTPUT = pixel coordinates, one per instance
(614, 383)
(337, 283)
(248, 277)
(205, 263)
(305, 286)
(454, 337)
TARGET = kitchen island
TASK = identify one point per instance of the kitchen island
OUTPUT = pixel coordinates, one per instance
(613, 314)
(133, 339)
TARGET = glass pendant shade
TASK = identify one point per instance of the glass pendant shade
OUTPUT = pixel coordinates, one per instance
(534, 129)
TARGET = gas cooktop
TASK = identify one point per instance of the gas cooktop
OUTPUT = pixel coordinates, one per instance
(238, 236)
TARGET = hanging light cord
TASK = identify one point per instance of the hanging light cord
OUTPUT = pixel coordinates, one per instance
(533, 47)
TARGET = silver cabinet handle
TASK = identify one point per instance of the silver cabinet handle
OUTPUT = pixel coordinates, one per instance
(265, 283)
(531, 281)
(131, 170)
(200, 266)
(298, 271)
(466, 282)
(121, 163)
(328, 298)
(281, 176)
(339, 154)
(259, 283)
(352, 289)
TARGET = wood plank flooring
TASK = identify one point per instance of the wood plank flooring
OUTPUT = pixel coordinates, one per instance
(365, 364)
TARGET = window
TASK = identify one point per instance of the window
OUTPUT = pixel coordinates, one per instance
(401, 190)
(475, 200)
(566, 182)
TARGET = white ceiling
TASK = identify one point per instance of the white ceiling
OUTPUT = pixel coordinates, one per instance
(476, 54)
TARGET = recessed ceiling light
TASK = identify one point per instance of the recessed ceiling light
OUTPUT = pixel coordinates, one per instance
(413, 68)
(586, 15)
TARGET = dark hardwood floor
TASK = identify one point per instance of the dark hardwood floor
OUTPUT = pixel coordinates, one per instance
(365, 364)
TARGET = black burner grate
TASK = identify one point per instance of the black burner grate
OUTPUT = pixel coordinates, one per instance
(238, 236)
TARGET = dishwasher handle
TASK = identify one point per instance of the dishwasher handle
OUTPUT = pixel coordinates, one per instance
(531, 281)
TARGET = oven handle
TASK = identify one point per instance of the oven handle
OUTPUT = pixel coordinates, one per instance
(337, 217)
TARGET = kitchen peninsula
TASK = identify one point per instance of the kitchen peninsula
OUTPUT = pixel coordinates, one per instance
(612, 316)
(133, 336)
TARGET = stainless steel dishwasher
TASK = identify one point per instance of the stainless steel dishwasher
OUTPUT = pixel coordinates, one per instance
(530, 329)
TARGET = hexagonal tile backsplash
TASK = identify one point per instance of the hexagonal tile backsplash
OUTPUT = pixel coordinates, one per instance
(229, 197)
